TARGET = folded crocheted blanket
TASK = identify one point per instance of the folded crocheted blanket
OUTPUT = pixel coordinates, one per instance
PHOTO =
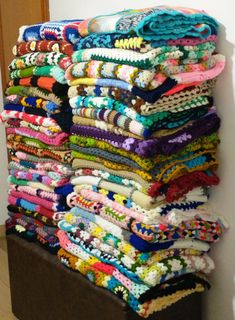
(93, 72)
(202, 143)
(37, 120)
(52, 30)
(159, 213)
(135, 43)
(121, 237)
(136, 182)
(23, 48)
(24, 218)
(37, 177)
(36, 131)
(149, 59)
(46, 195)
(47, 83)
(139, 282)
(33, 232)
(46, 71)
(40, 59)
(120, 248)
(157, 23)
(50, 168)
(49, 165)
(30, 206)
(185, 99)
(52, 172)
(161, 172)
(167, 145)
(33, 102)
(128, 219)
(15, 139)
(166, 297)
(62, 119)
(32, 214)
(118, 114)
(34, 91)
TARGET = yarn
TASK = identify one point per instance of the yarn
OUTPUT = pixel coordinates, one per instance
(112, 135)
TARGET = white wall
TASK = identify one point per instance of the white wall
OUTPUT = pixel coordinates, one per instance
(3, 167)
(219, 303)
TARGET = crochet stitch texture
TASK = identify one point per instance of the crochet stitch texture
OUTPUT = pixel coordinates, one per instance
(112, 135)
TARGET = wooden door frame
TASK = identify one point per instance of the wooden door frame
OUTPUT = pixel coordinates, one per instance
(45, 17)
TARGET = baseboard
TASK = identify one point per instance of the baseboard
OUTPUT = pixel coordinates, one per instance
(2, 230)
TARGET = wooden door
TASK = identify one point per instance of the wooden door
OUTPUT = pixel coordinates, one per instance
(13, 14)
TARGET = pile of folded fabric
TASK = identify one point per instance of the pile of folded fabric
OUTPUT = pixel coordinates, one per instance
(112, 139)
(38, 119)
(143, 141)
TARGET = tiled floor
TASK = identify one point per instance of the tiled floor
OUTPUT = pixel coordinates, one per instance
(5, 298)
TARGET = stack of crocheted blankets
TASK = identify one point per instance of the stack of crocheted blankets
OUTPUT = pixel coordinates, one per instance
(38, 119)
(142, 148)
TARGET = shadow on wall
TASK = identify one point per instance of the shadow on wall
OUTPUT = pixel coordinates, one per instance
(3, 166)
(223, 196)
(3, 177)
